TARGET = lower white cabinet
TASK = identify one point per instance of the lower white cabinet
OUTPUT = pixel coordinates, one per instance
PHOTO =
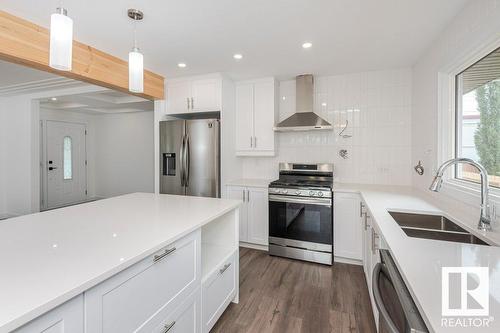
(133, 298)
(254, 213)
(347, 233)
(185, 318)
(66, 318)
(218, 290)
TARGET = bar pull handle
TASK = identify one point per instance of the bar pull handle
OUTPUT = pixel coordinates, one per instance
(159, 257)
(187, 99)
(255, 141)
(366, 220)
(361, 206)
(384, 314)
(168, 327)
(243, 195)
(251, 141)
(192, 103)
(248, 196)
(223, 269)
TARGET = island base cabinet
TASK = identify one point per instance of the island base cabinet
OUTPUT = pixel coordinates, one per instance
(186, 318)
(218, 290)
(133, 298)
(66, 318)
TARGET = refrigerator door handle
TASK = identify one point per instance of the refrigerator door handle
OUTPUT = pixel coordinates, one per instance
(187, 155)
(183, 161)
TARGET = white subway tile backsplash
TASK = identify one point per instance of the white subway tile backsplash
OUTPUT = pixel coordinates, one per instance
(377, 106)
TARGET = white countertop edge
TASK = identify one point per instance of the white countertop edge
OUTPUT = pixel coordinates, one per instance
(46, 307)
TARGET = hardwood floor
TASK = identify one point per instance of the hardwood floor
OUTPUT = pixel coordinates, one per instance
(282, 295)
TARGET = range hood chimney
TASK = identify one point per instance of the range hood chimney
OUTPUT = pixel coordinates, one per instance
(304, 119)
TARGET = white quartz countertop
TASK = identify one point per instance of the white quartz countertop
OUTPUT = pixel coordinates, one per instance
(420, 260)
(250, 182)
(48, 258)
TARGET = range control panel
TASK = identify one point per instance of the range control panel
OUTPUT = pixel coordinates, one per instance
(301, 192)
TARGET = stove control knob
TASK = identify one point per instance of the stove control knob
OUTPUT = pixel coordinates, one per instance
(320, 194)
(298, 193)
(284, 191)
(312, 193)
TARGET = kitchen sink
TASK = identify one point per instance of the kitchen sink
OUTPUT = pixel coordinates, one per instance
(435, 227)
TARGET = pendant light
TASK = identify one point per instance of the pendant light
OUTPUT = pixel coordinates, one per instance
(61, 40)
(135, 58)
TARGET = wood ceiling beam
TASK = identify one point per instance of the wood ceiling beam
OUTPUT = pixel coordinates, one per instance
(26, 43)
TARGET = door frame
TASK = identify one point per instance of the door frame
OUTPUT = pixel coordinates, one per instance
(43, 162)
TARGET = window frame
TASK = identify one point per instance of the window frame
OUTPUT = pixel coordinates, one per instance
(447, 129)
(64, 158)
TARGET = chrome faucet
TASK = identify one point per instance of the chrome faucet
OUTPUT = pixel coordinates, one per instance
(485, 219)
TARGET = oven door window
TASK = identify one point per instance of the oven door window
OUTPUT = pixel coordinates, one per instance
(300, 221)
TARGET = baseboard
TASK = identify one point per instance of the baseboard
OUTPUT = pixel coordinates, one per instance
(4, 216)
(254, 246)
(347, 261)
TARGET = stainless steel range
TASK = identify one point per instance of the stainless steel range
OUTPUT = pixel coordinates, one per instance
(301, 212)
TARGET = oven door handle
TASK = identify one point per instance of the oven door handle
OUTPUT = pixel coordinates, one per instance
(302, 200)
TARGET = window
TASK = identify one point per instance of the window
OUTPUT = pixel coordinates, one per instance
(67, 158)
(478, 119)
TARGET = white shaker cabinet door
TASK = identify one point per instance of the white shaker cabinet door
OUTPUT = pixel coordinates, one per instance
(264, 113)
(178, 97)
(348, 232)
(258, 216)
(240, 193)
(244, 117)
(66, 318)
(206, 94)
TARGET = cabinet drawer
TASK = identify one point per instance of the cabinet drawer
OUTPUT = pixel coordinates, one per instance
(128, 300)
(218, 291)
(183, 319)
(66, 318)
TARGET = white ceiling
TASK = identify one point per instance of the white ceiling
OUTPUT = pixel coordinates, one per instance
(347, 35)
(102, 102)
(12, 74)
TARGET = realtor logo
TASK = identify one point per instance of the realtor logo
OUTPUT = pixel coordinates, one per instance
(465, 291)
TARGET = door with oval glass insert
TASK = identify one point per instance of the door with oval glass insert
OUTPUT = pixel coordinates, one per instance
(65, 163)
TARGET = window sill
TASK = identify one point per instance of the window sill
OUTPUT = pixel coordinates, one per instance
(468, 192)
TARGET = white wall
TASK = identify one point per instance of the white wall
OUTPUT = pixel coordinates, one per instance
(473, 29)
(377, 106)
(124, 155)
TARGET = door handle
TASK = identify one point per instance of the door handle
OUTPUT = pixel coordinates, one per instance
(188, 157)
(52, 168)
(192, 103)
(181, 153)
(187, 99)
(377, 271)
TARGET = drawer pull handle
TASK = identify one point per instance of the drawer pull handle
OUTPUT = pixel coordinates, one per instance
(163, 255)
(169, 327)
(223, 269)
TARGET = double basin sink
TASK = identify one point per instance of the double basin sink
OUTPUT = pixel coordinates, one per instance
(434, 227)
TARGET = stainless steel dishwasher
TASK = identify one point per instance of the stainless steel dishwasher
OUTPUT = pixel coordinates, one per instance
(397, 311)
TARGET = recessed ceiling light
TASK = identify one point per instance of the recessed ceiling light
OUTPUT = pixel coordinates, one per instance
(181, 65)
(323, 104)
(307, 45)
(238, 56)
(53, 99)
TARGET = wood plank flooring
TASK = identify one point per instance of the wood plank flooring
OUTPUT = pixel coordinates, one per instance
(282, 295)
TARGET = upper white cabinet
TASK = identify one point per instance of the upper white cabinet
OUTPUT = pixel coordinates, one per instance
(254, 216)
(256, 109)
(348, 235)
(194, 95)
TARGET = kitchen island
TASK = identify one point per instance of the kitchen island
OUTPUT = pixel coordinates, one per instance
(139, 262)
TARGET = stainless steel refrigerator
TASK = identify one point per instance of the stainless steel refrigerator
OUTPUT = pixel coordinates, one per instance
(190, 157)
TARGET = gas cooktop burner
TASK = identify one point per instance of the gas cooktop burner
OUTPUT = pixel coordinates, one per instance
(305, 176)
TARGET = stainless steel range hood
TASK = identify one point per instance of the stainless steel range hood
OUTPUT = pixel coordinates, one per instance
(304, 119)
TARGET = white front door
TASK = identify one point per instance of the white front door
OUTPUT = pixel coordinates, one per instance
(65, 164)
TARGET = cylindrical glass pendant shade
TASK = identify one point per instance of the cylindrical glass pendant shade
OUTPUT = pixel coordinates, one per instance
(136, 71)
(61, 41)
